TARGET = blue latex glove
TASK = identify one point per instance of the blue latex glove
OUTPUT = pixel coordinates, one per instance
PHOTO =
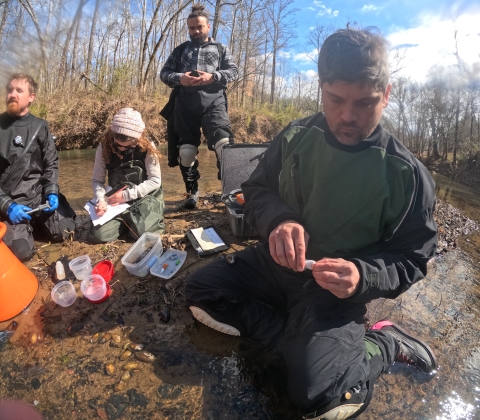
(53, 201)
(17, 213)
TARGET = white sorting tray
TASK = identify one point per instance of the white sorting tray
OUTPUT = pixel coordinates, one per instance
(173, 267)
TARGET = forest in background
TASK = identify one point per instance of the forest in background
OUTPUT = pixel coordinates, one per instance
(92, 57)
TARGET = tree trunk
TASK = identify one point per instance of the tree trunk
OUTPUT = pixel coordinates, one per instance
(455, 146)
(159, 42)
(272, 86)
(63, 61)
(3, 20)
(216, 18)
(90, 41)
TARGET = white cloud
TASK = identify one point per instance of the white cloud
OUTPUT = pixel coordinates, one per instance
(306, 57)
(311, 8)
(369, 8)
(284, 54)
(312, 74)
(432, 43)
(324, 10)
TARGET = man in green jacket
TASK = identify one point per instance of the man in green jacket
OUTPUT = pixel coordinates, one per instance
(337, 189)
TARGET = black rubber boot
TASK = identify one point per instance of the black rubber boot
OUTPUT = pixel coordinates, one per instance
(411, 350)
(190, 177)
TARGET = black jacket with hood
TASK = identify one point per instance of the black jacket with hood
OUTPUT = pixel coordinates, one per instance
(396, 258)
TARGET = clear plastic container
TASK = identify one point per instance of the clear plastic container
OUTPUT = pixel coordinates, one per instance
(169, 263)
(94, 287)
(81, 267)
(143, 254)
(64, 294)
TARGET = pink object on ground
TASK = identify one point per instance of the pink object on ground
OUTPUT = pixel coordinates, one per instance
(18, 410)
(94, 288)
(105, 269)
(380, 324)
(107, 295)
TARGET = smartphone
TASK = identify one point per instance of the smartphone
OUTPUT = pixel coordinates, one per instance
(194, 73)
(119, 187)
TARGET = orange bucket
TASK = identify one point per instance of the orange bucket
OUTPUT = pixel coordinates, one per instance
(18, 286)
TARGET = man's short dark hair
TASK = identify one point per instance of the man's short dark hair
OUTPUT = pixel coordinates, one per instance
(32, 85)
(198, 10)
(355, 56)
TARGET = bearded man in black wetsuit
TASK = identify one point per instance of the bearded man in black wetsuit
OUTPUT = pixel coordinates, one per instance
(28, 172)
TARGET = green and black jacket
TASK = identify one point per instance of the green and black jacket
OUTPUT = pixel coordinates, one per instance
(371, 203)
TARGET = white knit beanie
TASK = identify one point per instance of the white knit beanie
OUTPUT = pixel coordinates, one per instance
(129, 122)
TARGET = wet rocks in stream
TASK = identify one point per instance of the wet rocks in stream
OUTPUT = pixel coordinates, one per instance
(451, 223)
(137, 399)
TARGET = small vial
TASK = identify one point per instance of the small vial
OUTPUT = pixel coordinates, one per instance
(60, 270)
(309, 264)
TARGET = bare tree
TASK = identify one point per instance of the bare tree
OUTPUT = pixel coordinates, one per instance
(315, 39)
(280, 26)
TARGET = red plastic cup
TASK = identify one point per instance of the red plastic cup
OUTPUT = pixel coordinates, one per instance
(105, 269)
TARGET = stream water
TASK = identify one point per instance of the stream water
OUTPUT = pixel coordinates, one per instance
(201, 374)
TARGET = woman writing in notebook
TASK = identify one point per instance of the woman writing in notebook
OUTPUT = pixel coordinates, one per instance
(132, 164)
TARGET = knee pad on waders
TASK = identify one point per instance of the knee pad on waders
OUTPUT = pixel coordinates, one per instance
(352, 403)
(219, 145)
(188, 155)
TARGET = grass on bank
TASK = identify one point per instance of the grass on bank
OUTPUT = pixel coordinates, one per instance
(79, 119)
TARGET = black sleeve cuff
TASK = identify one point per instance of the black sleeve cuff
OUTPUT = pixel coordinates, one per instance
(50, 189)
(5, 203)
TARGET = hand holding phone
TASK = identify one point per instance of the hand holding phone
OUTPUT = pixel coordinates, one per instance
(119, 187)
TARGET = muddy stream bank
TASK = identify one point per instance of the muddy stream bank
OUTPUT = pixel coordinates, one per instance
(56, 360)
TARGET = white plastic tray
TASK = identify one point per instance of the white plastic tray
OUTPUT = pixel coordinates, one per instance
(173, 267)
(148, 241)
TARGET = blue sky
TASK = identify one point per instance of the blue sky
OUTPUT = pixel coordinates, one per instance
(422, 30)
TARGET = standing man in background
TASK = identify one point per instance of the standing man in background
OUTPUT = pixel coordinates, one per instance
(28, 173)
(199, 71)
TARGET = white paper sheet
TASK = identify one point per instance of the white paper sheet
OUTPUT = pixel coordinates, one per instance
(207, 239)
(111, 212)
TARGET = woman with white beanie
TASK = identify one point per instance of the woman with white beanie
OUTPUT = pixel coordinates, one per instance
(131, 161)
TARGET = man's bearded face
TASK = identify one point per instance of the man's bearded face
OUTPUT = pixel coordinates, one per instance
(198, 28)
(18, 97)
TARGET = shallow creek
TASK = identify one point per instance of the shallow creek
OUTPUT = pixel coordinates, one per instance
(201, 374)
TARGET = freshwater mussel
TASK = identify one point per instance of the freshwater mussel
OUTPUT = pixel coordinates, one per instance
(116, 341)
(130, 366)
(135, 346)
(125, 355)
(145, 356)
(126, 376)
(119, 386)
(109, 369)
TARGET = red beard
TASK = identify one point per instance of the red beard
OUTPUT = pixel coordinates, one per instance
(14, 109)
